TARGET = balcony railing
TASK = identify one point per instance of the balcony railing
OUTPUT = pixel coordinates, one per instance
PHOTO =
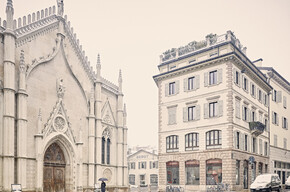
(256, 128)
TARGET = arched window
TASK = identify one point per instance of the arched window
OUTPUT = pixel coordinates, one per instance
(213, 171)
(192, 172)
(213, 139)
(108, 150)
(172, 169)
(191, 141)
(103, 149)
(172, 143)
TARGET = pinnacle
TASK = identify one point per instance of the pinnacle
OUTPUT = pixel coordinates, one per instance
(120, 76)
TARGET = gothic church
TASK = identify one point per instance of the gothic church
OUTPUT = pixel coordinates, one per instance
(62, 125)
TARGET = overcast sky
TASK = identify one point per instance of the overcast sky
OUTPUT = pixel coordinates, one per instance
(131, 34)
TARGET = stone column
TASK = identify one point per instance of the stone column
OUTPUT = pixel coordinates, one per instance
(22, 124)
(91, 134)
(120, 136)
(125, 163)
(80, 154)
(39, 153)
(9, 100)
(98, 120)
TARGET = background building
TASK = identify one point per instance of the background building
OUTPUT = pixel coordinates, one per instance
(62, 126)
(280, 115)
(143, 168)
(213, 108)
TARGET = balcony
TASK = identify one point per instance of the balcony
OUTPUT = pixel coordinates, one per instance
(256, 128)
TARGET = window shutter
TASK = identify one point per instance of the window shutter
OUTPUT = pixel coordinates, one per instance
(197, 112)
(263, 98)
(277, 119)
(150, 165)
(255, 118)
(177, 86)
(243, 112)
(185, 114)
(243, 81)
(185, 84)
(279, 96)
(284, 101)
(234, 75)
(220, 76)
(250, 149)
(237, 109)
(235, 139)
(206, 79)
(206, 111)
(248, 115)
(239, 79)
(251, 115)
(242, 142)
(197, 81)
(251, 88)
(220, 108)
(145, 164)
(287, 124)
(139, 165)
(166, 89)
(273, 95)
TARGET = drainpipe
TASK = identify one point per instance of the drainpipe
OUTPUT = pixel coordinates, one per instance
(269, 113)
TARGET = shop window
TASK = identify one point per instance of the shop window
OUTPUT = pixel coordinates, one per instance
(192, 172)
(154, 179)
(213, 171)
(237, 172)
(132, 179)
(172, 169)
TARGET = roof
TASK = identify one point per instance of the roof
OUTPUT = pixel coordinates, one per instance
(142, 150)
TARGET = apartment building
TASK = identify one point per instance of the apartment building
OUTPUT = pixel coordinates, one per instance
(213, 115)
(143, 168)
(279, 132)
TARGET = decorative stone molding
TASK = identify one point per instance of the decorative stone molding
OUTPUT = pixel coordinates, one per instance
(107, 114)
(107, 133)
(107, 173)
(60, 89)
(44, 59)
(22, 66)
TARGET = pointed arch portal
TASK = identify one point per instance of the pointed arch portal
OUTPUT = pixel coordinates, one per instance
(54, 169)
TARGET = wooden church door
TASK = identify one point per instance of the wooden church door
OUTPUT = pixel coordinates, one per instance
(54, 169)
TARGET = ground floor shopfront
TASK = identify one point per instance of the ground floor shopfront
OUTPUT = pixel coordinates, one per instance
(198, 170)
(280, 162)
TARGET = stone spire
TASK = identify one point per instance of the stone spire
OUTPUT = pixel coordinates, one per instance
(120, 80)
(60, 7)
(98, 66)
(9, 14)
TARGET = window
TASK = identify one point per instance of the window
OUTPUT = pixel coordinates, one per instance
(191, 113)
(237, 172)
(213, 171)
(154, 179)
(266, 124)
(132, 165)
(284, 123)
(213, 109)
(172, 115)
(142, 180)
(213, 138)
(245, 84)
(142, 165)
(285, 143)
(132, 179)
(238, 140)
(274, 96)
(191, 141)
(260, 95)
(172, 169)
(172, 143)
(103, 149)
(266, 149)
(266, 99)
(253, 116)
(192, 172)
(275, 118)
(153, 164)
(260, 147)
(253, 88)
(275, 141)
(285, 102)
(108, 150)
(191, 83)
(260, 168)
(266, 168)
(254, 145)
(213, 77)
(237, 78)
(172, 88)
(245, 113)
(246, 142)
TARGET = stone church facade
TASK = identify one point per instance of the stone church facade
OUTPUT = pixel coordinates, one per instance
(62, 125)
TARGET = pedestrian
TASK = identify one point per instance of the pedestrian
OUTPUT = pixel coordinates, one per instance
(103, 186)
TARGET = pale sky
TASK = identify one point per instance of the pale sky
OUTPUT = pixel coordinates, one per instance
(131, 34)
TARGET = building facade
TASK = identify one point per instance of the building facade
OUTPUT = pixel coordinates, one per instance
(279, 131)
(213, 108)
(143, 169)
(62, 126)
